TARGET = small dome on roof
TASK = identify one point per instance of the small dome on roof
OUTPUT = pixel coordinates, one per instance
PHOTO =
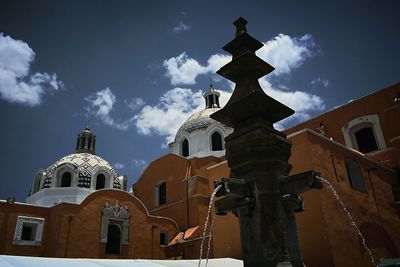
(200, 135)
(75, 176)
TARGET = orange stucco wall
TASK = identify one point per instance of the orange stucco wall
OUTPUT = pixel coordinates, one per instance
(72, 230)
(379, 103)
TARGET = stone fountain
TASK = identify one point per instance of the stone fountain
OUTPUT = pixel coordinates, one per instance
(259, 191)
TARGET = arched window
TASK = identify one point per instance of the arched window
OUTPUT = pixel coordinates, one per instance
(161, 197)
(113, 245)
(364, 134)
(185, 148)
(365, 139)
(355, 175)
(216, 141)
(66, 179)
(100, 181)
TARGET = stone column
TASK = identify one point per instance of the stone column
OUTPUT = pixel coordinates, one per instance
(256, 152)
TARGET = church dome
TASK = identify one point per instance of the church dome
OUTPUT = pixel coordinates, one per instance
(85, 165)
(75, 176)
(199, 121)
(200, 135)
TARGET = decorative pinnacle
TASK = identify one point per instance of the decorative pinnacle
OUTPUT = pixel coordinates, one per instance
(240, 24)
(248, 99)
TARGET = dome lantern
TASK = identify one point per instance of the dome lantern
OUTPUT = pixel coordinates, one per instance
(86, 142)
(212, 98)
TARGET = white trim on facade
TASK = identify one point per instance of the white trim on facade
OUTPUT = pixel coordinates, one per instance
(351, 127)
(37, 226)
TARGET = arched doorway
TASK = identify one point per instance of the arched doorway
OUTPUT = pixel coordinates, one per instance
(113, 245)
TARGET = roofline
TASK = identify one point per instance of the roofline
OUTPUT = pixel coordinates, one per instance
(341, 106)
(355, 152)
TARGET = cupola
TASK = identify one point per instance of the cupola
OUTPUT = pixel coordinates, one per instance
(86, 142)
(212, 98)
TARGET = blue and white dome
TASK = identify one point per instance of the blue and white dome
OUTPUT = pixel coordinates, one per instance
(75, 176)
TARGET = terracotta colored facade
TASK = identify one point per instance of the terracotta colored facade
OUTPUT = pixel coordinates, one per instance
(179, 188)
(72, 230)
(326, 235)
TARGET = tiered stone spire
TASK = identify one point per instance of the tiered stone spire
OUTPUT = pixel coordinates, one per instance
(245, 69)
(86, 142)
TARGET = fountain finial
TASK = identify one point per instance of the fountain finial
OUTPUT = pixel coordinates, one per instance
(248, 98)
(240, 24)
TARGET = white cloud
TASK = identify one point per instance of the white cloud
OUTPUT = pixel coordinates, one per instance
(301, 102)
(119, 165)
(135, 103)
(182, 69)
(174, 107)
(17, 85)
(319, 81)
(181, 27)
(101, 105)
(283, 52)
(286, 53)
(216, 61)
(139, 162)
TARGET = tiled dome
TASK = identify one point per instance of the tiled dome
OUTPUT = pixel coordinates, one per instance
(86, 164)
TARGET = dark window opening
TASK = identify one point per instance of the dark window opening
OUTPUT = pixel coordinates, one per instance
(162, 193)
(163, 239)
(113, 245)
(366, 141)
(66, 179)
(355, 175)
(100, 181)
(210, 101)
(185, 148)
(36, 186)
(216, 141)
(28, 232)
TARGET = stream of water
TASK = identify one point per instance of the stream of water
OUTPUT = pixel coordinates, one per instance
(328, 185)
(349, 217)
(205, 227)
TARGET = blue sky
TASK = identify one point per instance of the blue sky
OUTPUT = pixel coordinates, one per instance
(136, 70)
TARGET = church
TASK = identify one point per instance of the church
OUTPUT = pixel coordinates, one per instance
(80, 207)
